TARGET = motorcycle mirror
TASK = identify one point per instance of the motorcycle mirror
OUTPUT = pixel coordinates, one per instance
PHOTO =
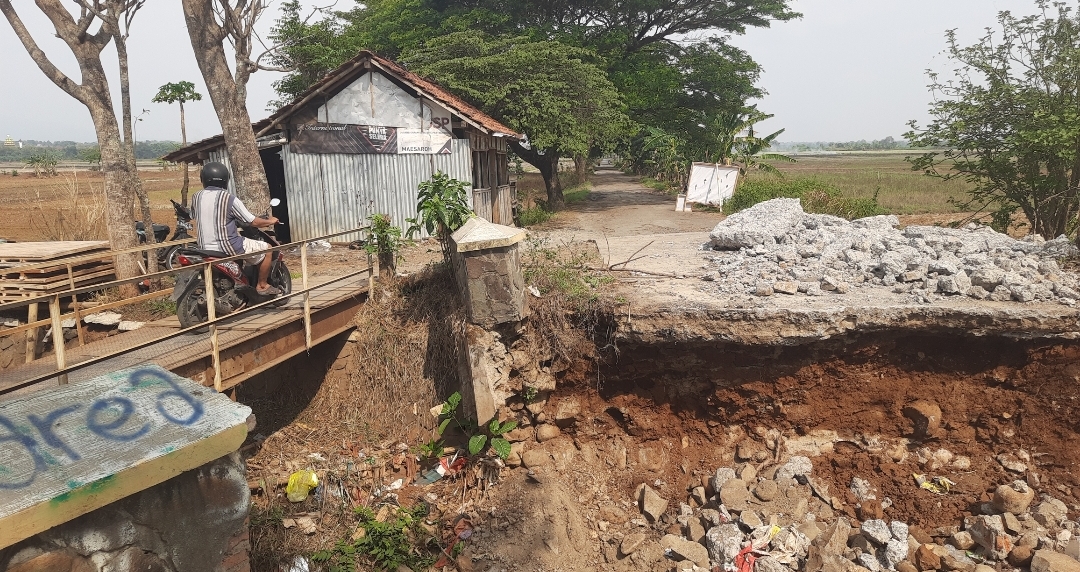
(275, 202)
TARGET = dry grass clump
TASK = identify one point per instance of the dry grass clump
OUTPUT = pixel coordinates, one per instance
(80, 214)
(346, 421)
(403, 361)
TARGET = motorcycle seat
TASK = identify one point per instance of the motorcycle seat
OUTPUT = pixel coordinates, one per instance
(205, 253)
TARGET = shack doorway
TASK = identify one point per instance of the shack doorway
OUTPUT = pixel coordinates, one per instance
(275, 177)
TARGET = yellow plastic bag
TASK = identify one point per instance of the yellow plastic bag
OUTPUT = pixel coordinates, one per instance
(300, 484)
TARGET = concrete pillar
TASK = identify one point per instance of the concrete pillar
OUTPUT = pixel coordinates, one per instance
(487, 267)
(488, 270)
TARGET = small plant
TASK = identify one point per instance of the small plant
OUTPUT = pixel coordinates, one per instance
(163, 307)
(43, 162)
(530, 393)
(398, 541)
(442, 207)
(14, 172)
(384, 240)
(533, 216)
(478, 441)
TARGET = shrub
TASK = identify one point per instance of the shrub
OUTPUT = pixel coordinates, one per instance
(817, 196)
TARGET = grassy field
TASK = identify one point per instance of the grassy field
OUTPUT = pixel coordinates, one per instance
(899, 189)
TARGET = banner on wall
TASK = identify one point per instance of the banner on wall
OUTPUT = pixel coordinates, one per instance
(346, 139)
(349, 139)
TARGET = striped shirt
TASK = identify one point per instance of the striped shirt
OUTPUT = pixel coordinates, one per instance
(216, 212)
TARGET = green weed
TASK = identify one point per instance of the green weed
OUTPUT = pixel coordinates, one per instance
(533, 216)
(398, 541)
(163, 306)
(817, 196)
(662, 186)
(577, 194)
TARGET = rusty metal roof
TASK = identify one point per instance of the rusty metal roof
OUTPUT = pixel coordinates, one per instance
(343, 76)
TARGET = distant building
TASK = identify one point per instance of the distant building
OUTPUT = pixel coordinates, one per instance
(9, 142)
(362, 139)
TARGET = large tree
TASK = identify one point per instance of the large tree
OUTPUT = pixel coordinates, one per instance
(1009, 119)
(554, 93)
(179, 92)
(210, 24)
(77, 31)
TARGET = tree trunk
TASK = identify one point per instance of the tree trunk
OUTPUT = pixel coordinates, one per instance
(581, 169)
(94, 93)
(228, 97)
(184, 166)
(132, 170)
(548, 164)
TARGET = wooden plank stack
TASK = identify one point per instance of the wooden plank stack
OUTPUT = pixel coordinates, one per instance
(31, 269)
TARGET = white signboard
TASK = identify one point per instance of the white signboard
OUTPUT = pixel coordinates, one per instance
(711, 184)
(417, 142)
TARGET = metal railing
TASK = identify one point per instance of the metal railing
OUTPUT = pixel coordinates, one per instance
(56, 319)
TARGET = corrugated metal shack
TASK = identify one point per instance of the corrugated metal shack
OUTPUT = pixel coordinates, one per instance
(362, 139)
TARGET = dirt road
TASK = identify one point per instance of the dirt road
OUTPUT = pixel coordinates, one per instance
(619, 205)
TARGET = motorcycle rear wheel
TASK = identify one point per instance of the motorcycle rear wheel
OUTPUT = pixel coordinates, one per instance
(191, 308)
(280, 277)
(172, 261)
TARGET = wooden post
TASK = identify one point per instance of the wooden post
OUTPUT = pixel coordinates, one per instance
(58, 337)
(32, 333)
(371, 278)
(211, 314)
(78, 320)
(307, 295)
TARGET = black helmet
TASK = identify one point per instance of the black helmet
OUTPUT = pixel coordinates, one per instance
(215, 174)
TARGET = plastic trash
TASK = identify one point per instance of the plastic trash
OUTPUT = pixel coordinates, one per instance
(936, 485)
(300, 484)
(299, 564)
(446, 466)
(319, 246)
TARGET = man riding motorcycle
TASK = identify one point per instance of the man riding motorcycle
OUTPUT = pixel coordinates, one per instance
(217, 212)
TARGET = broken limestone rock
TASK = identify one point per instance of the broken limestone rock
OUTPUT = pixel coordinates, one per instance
(651, 503)
(734, 495)
(989, 532)
(876, 531)
(724, 543)
(630, 543)
(723, 475)
(1050, 561)
(684, 549)
(1015, 497)
(1050, 513)
(797, 465)
(761, 224)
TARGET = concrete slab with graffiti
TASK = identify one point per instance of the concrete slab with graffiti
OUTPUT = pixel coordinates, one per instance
(68, 450)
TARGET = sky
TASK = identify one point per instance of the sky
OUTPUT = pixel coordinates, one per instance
(848, 70)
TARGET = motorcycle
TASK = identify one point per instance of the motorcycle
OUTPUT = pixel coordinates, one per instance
(167, 257)
(234, 281)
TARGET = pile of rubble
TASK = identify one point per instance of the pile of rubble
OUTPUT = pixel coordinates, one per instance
(781, 519)
(776, 248)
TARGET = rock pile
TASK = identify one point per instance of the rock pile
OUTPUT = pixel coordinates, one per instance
(782, 519)
(776, 248)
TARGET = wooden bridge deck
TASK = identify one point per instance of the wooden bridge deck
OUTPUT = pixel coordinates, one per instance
(248, 344)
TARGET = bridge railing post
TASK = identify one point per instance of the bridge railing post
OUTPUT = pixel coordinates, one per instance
(58, 337)
(307, 295)
(211, 314)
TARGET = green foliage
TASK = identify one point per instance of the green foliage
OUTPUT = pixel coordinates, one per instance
(478, 440)
(577, 194)
(533, 216)
(163, 307)
(383, 237)
(1009, 120)
(43, 162)
(530, 393)
(91, 155)
(399, 541)
(179, 92)
(816, 196)
(558, 94)
(442, 207)
(568, 272)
